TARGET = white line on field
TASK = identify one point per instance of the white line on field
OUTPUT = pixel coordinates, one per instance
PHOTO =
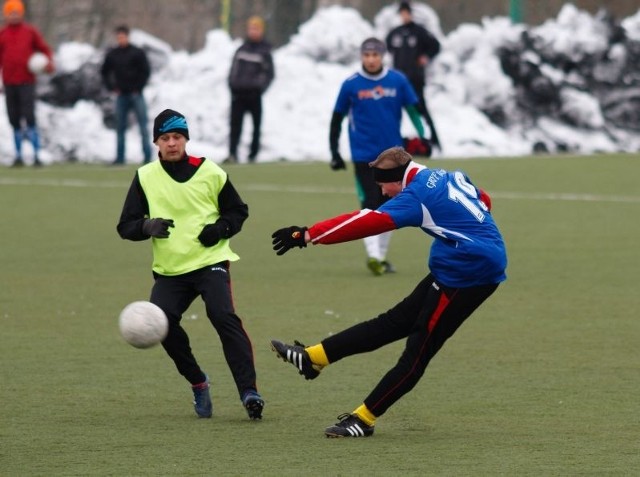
(294, 189)
(61, 183)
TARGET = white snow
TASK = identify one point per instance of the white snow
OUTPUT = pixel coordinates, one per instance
(465, 78)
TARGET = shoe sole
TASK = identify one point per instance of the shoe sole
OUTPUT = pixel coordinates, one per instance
(331, 435)
(308, 376)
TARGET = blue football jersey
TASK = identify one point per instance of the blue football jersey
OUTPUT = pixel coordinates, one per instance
(374, 106)
(468, 249)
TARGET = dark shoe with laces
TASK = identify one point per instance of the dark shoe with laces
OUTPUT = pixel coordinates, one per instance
(253, 403)
(349, 425)
(202, 399)
(296, 355)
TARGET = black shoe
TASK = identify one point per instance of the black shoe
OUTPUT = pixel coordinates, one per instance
(388, 268)
(297, 356)
(37, 163)
(202, 399)
(117, 163)
(232, 159)
(350, 425)
(254, 404)
(18, 162)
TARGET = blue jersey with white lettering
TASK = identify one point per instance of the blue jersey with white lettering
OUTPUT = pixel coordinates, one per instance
(468, 249)
(374, 105)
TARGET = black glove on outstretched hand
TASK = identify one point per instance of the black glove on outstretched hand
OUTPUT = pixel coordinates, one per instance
(337, 162)
(158, 228)
(287, 238)
(210, 235)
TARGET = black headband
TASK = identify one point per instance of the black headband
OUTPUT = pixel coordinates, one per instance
(390, 175)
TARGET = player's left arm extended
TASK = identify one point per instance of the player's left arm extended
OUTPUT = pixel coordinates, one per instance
(416, 118)
(351, 226)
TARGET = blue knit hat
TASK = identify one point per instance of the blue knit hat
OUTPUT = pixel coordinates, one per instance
(170, 121)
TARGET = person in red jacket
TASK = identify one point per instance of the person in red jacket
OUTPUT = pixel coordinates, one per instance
(18, 41)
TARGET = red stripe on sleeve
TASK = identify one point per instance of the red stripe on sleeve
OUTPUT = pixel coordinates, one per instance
(484, 197)
(353, 226)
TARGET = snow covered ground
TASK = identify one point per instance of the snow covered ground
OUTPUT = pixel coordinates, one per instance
(467, 86)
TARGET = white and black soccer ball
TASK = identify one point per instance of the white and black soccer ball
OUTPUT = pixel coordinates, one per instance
(37, 63)
(143, 324)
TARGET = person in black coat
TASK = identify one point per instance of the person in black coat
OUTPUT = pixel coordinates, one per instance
(251, 74)
(413, 48)
(125, 72)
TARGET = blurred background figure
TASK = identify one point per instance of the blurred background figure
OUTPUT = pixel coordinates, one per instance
(413, 48)
(18, 42)
(251, 74)
(126, 72)
(373, 99)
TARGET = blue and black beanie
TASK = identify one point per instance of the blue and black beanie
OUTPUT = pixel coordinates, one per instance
(170, 121)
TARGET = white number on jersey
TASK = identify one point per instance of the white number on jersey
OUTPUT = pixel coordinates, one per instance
(464, 193)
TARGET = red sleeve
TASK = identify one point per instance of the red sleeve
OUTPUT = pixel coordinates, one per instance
(484, 197)
(353, 226)
(40, 45)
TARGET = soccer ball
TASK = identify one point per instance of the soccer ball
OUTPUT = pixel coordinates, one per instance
(143, 324)
(38, 63)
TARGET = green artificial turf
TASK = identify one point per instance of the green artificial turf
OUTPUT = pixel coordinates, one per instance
(542, 380)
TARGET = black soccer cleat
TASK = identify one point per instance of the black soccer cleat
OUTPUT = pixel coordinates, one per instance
(296, 355)
(254, 404)
(350, 425)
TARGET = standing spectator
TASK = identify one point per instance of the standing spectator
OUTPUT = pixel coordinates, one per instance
(251, 74)
(373, 99)
(467, 262)
(413, 48)
(18, 41)
(189, 208)
(126, 72)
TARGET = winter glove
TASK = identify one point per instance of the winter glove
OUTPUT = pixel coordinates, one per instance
(210, 235)
(287, 238)
(158, 228)
(418, 146)
(337, 162)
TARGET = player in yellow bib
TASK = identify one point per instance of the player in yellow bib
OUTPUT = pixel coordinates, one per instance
(190, 210)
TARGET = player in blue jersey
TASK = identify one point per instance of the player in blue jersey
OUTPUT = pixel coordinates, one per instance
(373, 99)
(467, 263)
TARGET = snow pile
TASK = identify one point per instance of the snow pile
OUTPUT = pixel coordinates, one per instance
(570, 84)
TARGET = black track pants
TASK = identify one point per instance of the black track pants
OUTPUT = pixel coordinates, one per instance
(418, 86)
(20, 101)
(240, 105)
(427, 318)
(213, 283)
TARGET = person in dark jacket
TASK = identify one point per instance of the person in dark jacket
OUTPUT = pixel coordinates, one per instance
(18, 42)
(126, 72)
(251, 74)
(413, 48)
(189, 209)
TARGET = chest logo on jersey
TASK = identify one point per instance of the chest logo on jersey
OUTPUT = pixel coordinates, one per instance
(377, 93)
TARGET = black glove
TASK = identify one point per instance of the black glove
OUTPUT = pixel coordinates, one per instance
(210, 235)
(287, 238)
(337, 162)
(158, 228)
